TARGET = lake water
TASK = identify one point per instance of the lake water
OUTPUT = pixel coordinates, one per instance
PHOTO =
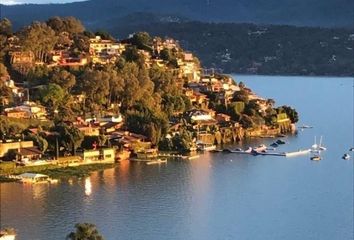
(218, 196)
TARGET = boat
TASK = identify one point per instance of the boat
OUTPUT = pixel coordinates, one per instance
(304, 126)
(260, 148)
(274, 144)
(351, 149)
(158, 161)
(226, 150)
(346, 156)
(279, 141)
(318, 147)
(316, 158)
(36, 178)
(206, 147)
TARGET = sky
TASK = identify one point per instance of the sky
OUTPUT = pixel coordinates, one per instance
(11, 2)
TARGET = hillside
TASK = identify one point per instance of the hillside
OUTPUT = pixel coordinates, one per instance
(330, 13)
(249, 48)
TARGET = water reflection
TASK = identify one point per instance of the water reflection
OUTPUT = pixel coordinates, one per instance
(88, 186)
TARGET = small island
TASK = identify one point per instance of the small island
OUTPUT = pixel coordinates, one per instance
(73, 101)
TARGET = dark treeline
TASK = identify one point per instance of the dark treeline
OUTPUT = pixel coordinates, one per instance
(248, 48)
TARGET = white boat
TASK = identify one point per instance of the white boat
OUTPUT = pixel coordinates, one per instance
(206, 147)
(305, 126)
(158, 161)
(318, 147)
(351, 149)
(346, 156)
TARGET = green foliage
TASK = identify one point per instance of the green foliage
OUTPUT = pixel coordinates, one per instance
(151, 123)
(85, 231)
(38, 141)
(66, 24)
(69, 137)
(39, 38)
(142, 40)
(10, 129)
(52, 95)
(290, 112)
(241, 96)
(63, 78)
(183, 141)
(5, 27)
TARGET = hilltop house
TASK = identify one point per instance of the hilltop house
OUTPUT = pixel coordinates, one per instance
(27, 110)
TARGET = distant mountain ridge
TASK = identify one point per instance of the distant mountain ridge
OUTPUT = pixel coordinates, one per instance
(94, 13)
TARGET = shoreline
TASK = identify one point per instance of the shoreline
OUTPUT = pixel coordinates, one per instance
(67, 172)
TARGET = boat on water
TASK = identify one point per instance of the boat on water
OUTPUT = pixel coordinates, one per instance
(157, 161)
(318, 147)
(274, 144)
(279, 141)
(316, 158)
(351, 149)
(35, 178)
(297, 153)
(304, 126)
(346, 156)
(205, 147)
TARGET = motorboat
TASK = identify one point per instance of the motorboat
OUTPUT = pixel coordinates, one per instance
(206, 147)
(346, 156)
(279, 141)
(304, 126)
(316, 158)
(351, 149)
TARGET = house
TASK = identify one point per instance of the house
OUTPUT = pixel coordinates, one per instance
(27, 110)
(199, 115)
(108, 47)
(28, 154)
(89, 129)
(220, 117)
(22, 57)
(106, 155)
(6, 146)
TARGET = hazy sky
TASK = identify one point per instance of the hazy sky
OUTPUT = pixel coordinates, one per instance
(10, 2)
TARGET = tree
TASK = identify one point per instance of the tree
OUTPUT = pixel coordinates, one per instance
(95, 85)
(291, 113)
(143, 41)
(85, 231)
(63, 78)
(70, 137)
(39, 38)
(5, 27)
(52, 95)
(3, 71)
(66, 24)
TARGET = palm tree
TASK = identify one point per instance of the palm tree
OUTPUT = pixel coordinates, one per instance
(85, 231)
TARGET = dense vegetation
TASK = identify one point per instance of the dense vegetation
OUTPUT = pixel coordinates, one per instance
(151, 97)
(303, 12)
(248, 48)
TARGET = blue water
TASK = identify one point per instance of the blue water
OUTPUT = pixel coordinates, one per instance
(218, 196)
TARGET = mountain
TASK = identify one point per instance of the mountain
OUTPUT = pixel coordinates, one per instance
(327, 13)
